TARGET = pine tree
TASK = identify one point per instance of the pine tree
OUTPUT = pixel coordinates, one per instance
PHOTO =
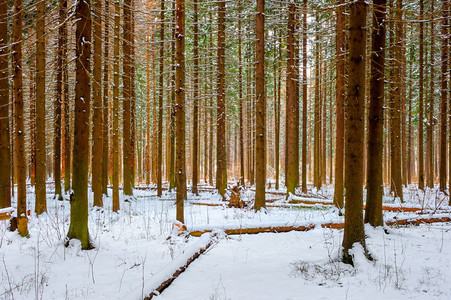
(354, 124)
(78, 228)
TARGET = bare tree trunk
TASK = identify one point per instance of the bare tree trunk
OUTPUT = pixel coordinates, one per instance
(354, 122)
(373, 212)
(240, 93)
(67, 108)
(106, 121)
(304, 99)
(221, 153)
(195, 176)
(260, 113)
(420, 105)
(41, 201)
(160, 106)
(180, 109)
(5, 151)
(444, 95)
(292, 106)
(79, 199)
(431, 121)
(117, 24)
(126, 102)
(58, 102)
(97, 117)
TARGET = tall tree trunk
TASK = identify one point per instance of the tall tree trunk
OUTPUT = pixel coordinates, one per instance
(79, 199)
(240, 95)
(180, 109)
(57, 106)
(117, 24)
(304, 99)
(292, 105)
(221, 153)
(354, 123)
(395, 107)
(317, 112)
(195, 151)
(126, 102)
(173, 108)
(19, 140)
(444, 95)
(260, 112)
(421, 105)
(32, 122)
(106, 97)
(41, 201)
(97, 117)
(5, 162)
(160, 105)
(277, 90)
(132, 97)
(373, 212)
(431, 121)
(67, 108)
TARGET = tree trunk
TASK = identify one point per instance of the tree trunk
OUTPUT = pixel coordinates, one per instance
(180, 109)
(160, 106)
(79, 199)
(19, 140)
(117, 24)
(339, 106)
(195, 176)
(304, 99)
(221, 153)
(97, 117)
(373, 212)
(292, 105)
(5, 151)
(106, 97)
(260, 115)
(41, 201)
(67, 108)
(126, 102)
(240, 95)
(444, 95)
(431, 121)
(420, 105)
(354, 123)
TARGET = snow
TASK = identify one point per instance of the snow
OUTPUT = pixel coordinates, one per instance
(137, 249)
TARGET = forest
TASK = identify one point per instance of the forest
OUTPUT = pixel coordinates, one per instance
(227, 149)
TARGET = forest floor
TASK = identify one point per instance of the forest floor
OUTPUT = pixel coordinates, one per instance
(137, 248)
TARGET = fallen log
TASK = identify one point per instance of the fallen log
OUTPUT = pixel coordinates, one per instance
(275, 229)
(179, 270)
(5, 213)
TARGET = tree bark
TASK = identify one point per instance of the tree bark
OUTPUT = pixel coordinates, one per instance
(180, 109)
(221, 153)
(117, 21)
(97, 117)
(304, 100)
(106, 97)
(79, 199)
(40, 191)
(195, 151)
(373, 212)
(160, 106)
(292, 105)
(126, 102)
(260, 115)
(444, 95)
(354, 123)
(5, 150)
(421, 104)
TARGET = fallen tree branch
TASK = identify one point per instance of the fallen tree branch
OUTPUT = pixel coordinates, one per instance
(176, 268)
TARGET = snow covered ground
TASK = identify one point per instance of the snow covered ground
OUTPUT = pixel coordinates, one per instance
(136, 248)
